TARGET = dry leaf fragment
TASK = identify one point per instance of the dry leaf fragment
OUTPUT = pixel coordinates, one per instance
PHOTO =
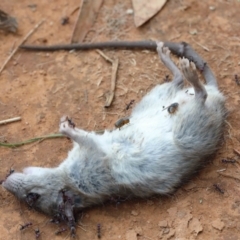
(144, 10)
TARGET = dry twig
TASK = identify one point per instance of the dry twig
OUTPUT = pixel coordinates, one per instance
(205, 48)
(230, 176)
(104, 56)
(236, 151)
(113, 79)
(10, 120)
(21, 43)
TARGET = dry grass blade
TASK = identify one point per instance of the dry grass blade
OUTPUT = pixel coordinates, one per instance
(32, 140)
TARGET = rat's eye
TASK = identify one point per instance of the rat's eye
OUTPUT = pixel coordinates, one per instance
(31, 198)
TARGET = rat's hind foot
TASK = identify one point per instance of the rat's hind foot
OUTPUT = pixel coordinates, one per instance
(164, 54)
(189, 70)
(185, 50)
(66, 126)
(190, 73)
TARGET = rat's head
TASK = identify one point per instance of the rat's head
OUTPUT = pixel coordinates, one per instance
(38, 187)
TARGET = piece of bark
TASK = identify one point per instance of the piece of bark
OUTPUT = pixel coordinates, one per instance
(144, 10)
(87, 14)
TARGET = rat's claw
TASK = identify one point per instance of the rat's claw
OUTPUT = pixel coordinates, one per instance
(64, 119)
(160, 46)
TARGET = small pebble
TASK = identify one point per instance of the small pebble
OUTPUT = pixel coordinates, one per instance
(212, 8)
(134, 213)
(163, 224)
(129, 11)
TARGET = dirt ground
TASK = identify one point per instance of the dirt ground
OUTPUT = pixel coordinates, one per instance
(41, 87)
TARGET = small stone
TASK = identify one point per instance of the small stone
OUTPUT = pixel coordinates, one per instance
(195, 226)
(171, 234)
(131, 235)
(129, 11)
(212, 8)
(163, 224)
(218, 224)
(166, 230)
(33, 7)
(172, 211)
(190, 186)
(138, 231)
(42, 72)
(193, 32)
(134, 213)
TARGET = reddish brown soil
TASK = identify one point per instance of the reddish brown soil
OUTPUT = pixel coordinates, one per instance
(41, 87)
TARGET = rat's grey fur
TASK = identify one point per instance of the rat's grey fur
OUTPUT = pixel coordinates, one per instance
(154, 153)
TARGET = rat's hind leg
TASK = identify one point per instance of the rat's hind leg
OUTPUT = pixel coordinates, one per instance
(185, 50)
(190, 73)
(67, 127)
(164, 54)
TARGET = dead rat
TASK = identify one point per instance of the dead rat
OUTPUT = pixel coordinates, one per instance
(154, 154)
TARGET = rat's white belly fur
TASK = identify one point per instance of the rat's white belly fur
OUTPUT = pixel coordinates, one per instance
(140, 151)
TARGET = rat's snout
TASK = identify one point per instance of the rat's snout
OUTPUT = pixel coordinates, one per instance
(14, 183)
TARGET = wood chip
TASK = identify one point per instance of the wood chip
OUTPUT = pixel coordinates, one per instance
(86, 17)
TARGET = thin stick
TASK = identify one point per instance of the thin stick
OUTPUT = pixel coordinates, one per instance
(82, 228)
(67, 236)
(113, 84)
(147, 237)
(221, 170)
(10, 120)
(236, 151)
(74, 10)
(22, 42)
(205, 48)
(228, 123)
(113, 79)
(175, 37)
(230, 176)
(104, 56)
